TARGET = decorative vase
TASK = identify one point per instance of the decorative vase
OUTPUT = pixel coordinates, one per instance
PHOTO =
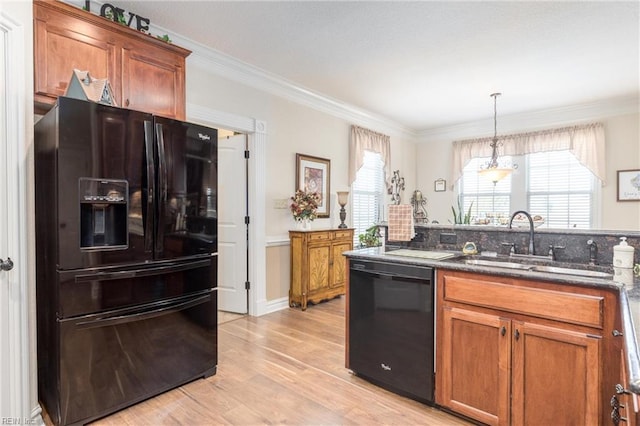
(303, 225)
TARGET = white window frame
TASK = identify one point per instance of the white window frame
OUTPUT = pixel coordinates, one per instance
(378, 192)
(519, 192)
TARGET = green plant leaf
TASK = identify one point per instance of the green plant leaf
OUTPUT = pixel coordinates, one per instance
(467, 218)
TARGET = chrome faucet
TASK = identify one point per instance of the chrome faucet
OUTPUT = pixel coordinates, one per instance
(531, 246)
(593, 252)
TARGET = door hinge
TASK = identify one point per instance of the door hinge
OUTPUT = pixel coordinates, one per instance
(246, 153)
(247, 285)
(246, 220)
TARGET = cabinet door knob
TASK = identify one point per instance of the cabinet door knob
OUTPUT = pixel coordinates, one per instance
(503, 330)
(126, 102)
(517, 334)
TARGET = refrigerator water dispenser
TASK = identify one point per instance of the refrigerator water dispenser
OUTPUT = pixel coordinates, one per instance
(103, 214)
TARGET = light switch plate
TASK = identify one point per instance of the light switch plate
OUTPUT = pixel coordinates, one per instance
(280, 203)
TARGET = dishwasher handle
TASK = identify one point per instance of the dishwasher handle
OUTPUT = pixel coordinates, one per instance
(423, 274)
(398, 277)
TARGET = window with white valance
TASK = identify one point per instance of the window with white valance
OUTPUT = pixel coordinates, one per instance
(369, 173)
(558, 175)
(367, 140)
(585, 142)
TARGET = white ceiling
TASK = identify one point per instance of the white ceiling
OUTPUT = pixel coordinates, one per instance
(425, 64)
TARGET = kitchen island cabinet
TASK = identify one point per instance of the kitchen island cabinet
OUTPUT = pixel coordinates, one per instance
(318, 268)
(145, 73)
(522, 352)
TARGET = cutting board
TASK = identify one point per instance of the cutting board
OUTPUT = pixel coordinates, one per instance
(422, 254)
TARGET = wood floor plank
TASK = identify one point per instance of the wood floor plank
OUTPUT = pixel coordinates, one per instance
(286, 367)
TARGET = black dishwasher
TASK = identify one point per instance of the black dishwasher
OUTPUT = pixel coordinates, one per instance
(391, 326)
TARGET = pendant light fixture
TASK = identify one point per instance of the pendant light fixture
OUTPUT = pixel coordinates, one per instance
(492, 170)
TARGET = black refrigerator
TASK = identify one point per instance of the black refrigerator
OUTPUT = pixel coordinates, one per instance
(126, 249)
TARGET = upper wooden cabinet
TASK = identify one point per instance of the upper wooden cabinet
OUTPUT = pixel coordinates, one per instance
(146, 74)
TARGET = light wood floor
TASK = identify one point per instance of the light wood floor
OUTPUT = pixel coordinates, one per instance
(227, 316)
(282, 368)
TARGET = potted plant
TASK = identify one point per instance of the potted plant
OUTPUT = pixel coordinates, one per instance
(370, 238)
(458, 217)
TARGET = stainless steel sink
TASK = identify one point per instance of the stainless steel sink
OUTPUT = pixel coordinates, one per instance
(497, 264)
(524, 265)
(571, 271)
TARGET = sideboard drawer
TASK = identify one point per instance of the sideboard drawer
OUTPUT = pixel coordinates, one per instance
(319, 236)
(343, 234)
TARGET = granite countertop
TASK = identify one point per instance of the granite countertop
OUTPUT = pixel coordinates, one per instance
(629, 294)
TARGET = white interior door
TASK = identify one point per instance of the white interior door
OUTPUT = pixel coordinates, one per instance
(232, 231)
(18, 370)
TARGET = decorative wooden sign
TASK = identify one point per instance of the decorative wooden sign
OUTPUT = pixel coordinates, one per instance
(116, 14)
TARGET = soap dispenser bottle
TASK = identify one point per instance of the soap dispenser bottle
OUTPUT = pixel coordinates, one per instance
(623, 254)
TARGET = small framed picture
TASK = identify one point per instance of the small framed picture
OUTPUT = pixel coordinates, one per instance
(440, 185)
(313, 174)
(629, 185)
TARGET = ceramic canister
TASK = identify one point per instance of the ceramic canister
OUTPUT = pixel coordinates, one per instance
(623, 276)
(623, 254)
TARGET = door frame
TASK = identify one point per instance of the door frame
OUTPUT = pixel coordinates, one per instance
(256, 131)
(18, 364)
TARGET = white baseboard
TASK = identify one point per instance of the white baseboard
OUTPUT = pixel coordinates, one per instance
(273, 306)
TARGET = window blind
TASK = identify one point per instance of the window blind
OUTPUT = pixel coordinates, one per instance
(367, 194)
(560, 189)
(488, 200)
(557, 187)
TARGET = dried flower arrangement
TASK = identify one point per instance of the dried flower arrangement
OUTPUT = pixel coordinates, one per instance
(304, 205)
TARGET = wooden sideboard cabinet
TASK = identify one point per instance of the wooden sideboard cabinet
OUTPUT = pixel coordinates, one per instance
(318, 268)
(524, 352)
(146, 74)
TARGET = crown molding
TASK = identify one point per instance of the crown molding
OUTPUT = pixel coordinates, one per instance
(241, 72)
(238, 71)
(226, 66)
(535, 120)
(230, 68)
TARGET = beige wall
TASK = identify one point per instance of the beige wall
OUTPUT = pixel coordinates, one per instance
(278, 277)
(293, 128)
(622, 152)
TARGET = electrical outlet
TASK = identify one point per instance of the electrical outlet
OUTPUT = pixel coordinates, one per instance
(280, 203)
(448, 238)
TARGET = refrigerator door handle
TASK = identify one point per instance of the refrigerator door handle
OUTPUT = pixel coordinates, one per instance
(141, 316)
(162, 182)
(148, 214)
(142, 272)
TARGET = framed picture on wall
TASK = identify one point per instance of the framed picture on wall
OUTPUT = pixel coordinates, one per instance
(440, 185)
(313, 174)
(629, 185)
